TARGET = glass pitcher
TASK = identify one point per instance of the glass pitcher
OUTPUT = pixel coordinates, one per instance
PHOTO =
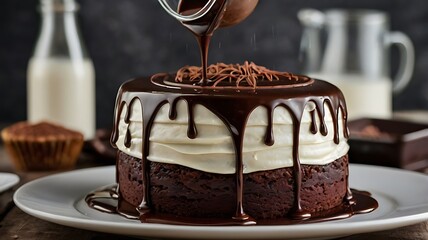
(351, 49)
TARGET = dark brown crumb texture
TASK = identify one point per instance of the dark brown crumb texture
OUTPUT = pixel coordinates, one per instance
(183, 191)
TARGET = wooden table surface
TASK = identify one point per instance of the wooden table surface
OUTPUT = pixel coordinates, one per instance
(15, 224)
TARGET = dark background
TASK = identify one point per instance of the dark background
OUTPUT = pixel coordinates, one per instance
(128, 38)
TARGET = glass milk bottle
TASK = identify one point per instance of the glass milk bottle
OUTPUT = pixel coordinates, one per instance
(60, 77)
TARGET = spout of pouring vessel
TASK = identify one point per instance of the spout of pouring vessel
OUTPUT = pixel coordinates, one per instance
(234, 12)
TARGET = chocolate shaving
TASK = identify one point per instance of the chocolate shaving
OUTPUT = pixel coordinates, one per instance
(246, 74)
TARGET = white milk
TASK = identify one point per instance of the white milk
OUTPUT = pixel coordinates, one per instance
(364, 97)
(62, 91)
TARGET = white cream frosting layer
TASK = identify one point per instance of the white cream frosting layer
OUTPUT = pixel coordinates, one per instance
(213, 151)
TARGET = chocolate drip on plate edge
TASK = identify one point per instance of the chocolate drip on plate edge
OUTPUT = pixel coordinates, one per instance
(364, 204)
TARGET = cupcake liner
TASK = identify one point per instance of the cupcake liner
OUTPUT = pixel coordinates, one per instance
(40, 152)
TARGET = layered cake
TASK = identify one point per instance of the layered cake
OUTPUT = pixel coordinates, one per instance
(252, 146)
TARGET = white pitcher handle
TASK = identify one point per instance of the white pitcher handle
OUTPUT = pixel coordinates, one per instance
(407, 59)
(187, 18)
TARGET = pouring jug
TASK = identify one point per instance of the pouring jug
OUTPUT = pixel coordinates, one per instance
(187, 18)
(351, 49)
(235, 12)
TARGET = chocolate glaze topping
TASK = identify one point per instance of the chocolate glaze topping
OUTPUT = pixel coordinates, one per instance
(233, 106)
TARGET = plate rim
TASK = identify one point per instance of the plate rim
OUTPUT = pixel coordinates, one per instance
(13, 180)
(271, 231)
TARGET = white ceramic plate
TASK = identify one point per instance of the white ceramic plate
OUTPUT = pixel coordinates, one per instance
(8, 180)
(402, 197)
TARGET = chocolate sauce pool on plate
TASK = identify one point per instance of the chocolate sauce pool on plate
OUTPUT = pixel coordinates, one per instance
(364, 204)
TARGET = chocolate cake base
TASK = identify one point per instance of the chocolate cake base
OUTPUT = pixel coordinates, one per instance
(186, 192)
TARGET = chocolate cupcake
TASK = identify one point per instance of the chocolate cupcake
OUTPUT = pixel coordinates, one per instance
(42, 146)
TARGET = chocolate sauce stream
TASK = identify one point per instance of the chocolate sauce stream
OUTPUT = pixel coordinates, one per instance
(150, 107)
(321, 114)
(223, 108)
(204, 43)
(296, 109)
(203, 28)
(192, 132)
(173, 109)
(313, 128)
(269, 137)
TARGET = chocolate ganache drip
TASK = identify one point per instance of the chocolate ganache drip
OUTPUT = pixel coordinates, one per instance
(232, 99)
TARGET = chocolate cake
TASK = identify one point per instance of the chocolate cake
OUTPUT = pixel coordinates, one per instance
(254, 145)
(230, 144)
